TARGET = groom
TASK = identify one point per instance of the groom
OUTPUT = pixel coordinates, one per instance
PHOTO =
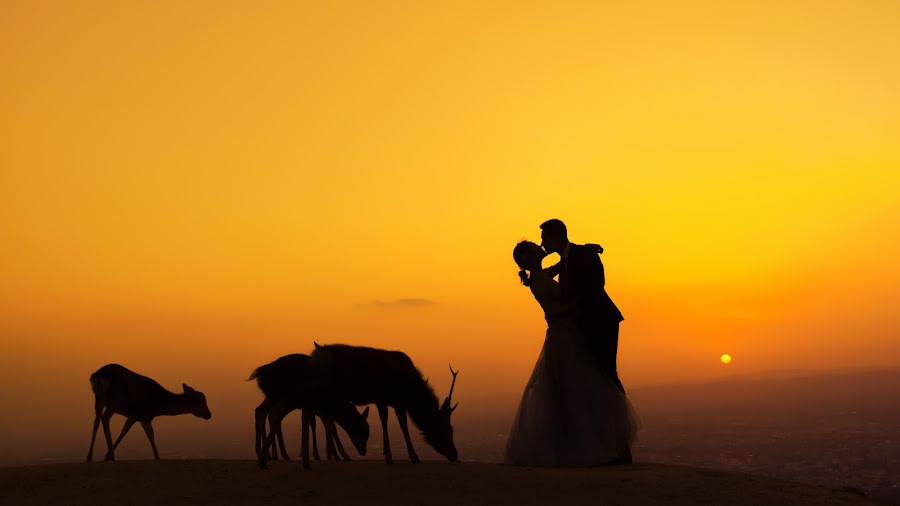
(582, 282)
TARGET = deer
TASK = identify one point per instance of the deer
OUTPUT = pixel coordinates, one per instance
(118, 390)
(282, 381)
(363, 375)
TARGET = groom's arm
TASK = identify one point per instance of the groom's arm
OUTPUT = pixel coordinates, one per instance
(596, 247)
(589, 278)
(596, 274)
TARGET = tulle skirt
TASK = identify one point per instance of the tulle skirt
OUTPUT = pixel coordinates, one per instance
(571, 413)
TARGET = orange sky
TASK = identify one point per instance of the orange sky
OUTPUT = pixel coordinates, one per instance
(195, 188)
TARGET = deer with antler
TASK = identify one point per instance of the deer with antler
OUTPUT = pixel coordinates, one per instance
(361, 375)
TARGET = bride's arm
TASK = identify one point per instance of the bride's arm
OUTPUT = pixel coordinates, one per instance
(553, 270)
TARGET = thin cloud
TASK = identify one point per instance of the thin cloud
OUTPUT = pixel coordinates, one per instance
(403, 303)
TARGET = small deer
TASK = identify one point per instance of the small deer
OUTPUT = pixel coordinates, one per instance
(118, 390)
(387, 379)
(284, 384)
(344, 415)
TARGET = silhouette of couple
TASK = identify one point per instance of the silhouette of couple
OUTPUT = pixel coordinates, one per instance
(574, 411)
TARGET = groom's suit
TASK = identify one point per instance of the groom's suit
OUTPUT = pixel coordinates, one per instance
(582, 281)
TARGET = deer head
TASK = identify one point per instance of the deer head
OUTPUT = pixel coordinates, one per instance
(197, 402)
(355, 424)
(442, 438)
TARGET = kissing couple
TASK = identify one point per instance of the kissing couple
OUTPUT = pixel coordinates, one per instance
(573, 411)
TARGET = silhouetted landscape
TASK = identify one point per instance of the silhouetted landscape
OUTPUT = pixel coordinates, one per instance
(839, 430)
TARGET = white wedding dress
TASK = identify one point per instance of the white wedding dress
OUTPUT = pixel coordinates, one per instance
(571, 413)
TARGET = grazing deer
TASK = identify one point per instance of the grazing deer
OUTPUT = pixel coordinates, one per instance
(278, 380)
(387, 379)
(285, 384)
(344, 415)
(139, 399)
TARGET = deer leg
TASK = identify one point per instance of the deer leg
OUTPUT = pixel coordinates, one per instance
(148, 429)
(276, 411)
(263, 454)
(385, 441)
(104, 418)
(275, 415)
(340, 447)
(337, 441)
(329, 446)
(97, 410)
(330, 452)
(315, 444)
(401, 417)
(260, 422)
(284, 454)
(272, 445)
(280, 436)
(265, 438)
(128, 423)
(304, 436)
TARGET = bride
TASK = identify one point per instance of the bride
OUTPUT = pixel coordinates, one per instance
(571, 413)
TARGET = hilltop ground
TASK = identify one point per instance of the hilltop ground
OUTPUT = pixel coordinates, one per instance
(226, 482)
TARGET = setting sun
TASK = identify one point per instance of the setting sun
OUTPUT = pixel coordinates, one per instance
(726, 359)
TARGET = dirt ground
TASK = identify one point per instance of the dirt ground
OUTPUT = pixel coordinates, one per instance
(227, 482)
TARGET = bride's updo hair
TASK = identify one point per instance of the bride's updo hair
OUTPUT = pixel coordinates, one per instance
(520, 255)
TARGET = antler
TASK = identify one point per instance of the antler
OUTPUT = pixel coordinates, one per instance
(452, 384)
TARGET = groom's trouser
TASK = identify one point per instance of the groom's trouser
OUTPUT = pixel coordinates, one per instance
(604, 343)
(611, 341)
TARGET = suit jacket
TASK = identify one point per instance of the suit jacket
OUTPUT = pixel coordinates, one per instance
(582, 282)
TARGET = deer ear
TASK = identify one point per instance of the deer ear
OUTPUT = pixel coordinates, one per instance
(365, 413)
(186, 388)
(318, 346)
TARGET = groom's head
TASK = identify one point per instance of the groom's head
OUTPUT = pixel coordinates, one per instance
(554, 236)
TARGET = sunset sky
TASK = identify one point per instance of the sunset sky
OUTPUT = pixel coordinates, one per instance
(195, 188)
